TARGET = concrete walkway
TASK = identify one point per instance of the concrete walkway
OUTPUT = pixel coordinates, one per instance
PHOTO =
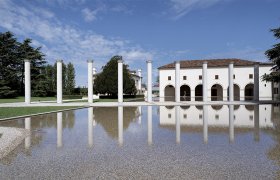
(110, 104)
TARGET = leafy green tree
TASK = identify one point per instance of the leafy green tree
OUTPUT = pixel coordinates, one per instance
(274, 56)
(70, 79)
(107, 81)
(12, 56)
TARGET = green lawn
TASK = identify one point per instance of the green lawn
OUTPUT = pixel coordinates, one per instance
(7, 112)
(21, 99)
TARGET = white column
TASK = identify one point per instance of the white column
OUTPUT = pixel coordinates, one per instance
(59, 129)
(59, 81)
(90, 126)
(256, 82)
(242, 95)
(178, 124)
(177, 81)
(140, 81)
(120, 81)
(27, 125)
(149, 81)
(205, 124)
(192, 94)
(150, 125)
(231, 123)
(120, 125)
(27, 79)
(204, 81)
(90, 81)
(230, 81)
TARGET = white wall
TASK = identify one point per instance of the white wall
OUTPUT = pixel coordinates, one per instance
(194, 116)
(241, 79)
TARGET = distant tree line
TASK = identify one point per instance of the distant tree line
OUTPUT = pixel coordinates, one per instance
(43, 75)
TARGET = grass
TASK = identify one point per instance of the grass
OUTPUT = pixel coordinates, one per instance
(21, 99)
(8, 112)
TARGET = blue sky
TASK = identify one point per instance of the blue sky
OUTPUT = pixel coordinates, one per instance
(161, 30)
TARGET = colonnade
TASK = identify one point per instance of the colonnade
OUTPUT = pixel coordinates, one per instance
(205, 83)
(27, 78)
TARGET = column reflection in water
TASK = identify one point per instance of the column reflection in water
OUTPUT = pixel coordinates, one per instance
(178, 124)
(90, 126)
(205, 123)
(140, 114)
(150, 125)
(120, 125)
(27, 125)
(59, 129)
(231, 124)
(256, 123)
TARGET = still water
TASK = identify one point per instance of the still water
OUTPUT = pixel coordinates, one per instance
(190, 142)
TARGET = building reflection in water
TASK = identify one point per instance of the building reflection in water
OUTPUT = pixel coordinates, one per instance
(150, 125)
(120, 125)
(178, 125)
(257, 123)
(90, 126)
(140, 114)
(59, 129)
(27, 125)
(205, 124)
(217, 118)
(231, 123)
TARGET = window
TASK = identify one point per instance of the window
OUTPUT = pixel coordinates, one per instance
(250, 76)
(217, 117)
(169, 78)
(275, 90)
(264, 85)
(234, 76)
(185, 116)
(184, 77)
(200, 116)
(169, 115)
(216, 76)
(200, 77)
(251, 117)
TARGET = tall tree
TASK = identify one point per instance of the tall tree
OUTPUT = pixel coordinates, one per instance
(107, 81)
(12, 56)
(70, 79)
(273, 55)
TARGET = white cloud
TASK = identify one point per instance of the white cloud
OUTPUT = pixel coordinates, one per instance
(89, 15)
(61, 41)
(182, 7)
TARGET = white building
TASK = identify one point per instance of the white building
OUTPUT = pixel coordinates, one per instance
(217, 82)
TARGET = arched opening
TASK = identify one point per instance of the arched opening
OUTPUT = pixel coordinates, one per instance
(169, 93)
(198, 93)
(169, 107)
(236, 92)
(249, 92)
(216, 92)
(185, 93)
(199, 107)
(185, 107)
(250, 107)
(217, 107)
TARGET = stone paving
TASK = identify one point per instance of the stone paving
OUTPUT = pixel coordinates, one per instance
(10, 139)
(110, 104)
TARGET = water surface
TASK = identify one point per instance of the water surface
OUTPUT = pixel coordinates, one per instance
(201, 142)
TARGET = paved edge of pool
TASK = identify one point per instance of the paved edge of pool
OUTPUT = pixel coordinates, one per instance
(38, 114)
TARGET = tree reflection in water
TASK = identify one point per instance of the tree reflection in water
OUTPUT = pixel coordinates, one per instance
(108, 118)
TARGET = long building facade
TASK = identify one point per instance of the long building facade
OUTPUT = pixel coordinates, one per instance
(246, 76)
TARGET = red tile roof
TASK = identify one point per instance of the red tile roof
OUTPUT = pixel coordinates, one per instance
(213, 63)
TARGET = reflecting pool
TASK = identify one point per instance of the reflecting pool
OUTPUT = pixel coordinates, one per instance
(148, 142)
